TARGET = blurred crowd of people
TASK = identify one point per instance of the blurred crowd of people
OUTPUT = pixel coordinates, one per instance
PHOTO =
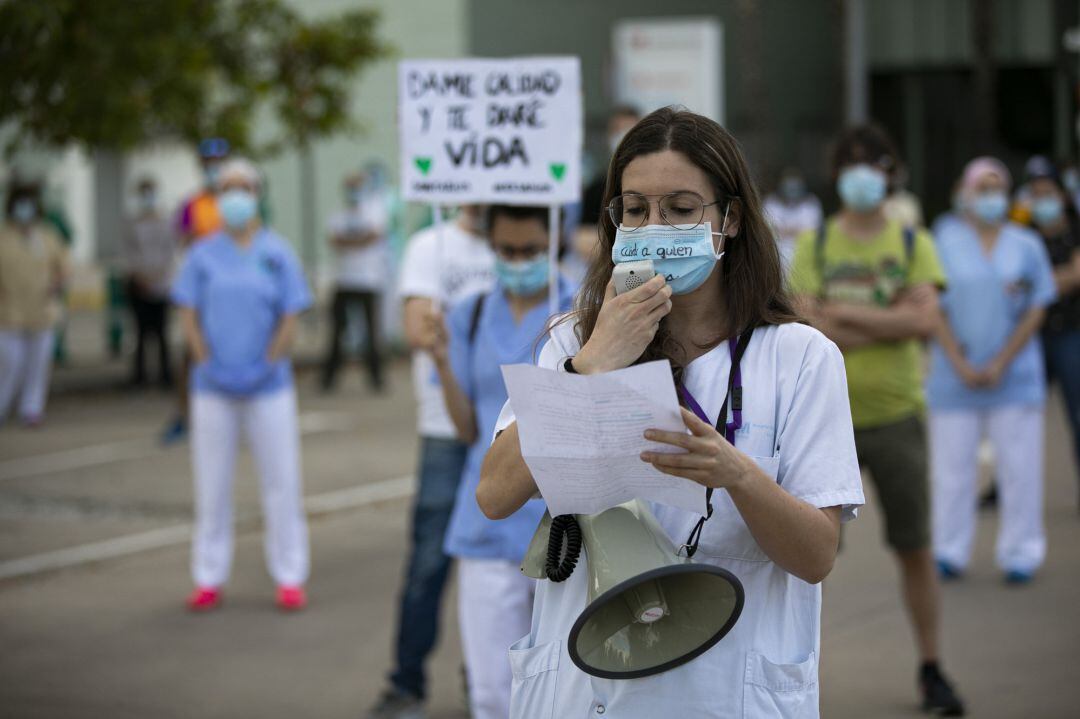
(991, 299)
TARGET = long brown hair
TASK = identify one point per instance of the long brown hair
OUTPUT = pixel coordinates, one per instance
(752, 284)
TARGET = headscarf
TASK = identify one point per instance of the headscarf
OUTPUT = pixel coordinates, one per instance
(978, 168)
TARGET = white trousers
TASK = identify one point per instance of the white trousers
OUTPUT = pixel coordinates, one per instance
(1016, 434)
(495, 609)
(25, 363)
(269, 423)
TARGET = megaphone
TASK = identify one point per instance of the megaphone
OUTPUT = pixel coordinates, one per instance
(649, 609)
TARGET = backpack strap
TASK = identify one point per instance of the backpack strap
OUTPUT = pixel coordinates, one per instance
(909, 251)
(474, 323)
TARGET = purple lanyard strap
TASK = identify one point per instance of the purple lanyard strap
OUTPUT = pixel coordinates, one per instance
(734, 394)
(736, 348)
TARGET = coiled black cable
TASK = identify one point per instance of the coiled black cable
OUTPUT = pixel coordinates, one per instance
(564, 548)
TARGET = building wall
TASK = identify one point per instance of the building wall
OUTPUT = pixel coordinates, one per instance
(910, 33)
(781, 64)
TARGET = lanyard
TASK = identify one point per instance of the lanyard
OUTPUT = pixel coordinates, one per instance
(733, 396)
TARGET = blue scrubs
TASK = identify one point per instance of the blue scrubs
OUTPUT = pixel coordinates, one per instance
(241, 295)
(476, 366)
(985, 299)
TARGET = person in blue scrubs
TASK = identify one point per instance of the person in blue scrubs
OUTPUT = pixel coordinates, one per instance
(484, 332)
(239, 293)
(987, 377)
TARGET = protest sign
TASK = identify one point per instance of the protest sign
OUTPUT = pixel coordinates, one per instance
(491, 131)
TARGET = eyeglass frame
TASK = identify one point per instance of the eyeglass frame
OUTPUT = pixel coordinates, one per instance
(649, 202)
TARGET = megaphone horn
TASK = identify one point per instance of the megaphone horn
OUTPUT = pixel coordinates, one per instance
(650, 609)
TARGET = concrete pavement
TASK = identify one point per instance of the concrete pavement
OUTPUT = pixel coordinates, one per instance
(109, 638)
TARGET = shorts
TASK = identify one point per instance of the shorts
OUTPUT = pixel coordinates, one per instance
(896, 457)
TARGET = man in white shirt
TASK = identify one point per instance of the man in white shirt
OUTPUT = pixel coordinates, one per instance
(358, 236)
(149, 252)
(442, 264)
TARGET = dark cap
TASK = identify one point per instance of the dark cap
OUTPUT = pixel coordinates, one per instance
(213, 148)
(1039, 167)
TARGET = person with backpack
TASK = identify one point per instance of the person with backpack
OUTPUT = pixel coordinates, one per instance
(987, 377)
(871, 285)
(483, 332)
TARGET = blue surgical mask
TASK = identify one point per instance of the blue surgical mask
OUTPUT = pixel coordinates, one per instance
(147, 200)
(792, 189)
(861, 187)
(1047, 211)
(989, 207)
(24, 211)
(684, 256)
(523, 278)
(237, 207)
(213, 176)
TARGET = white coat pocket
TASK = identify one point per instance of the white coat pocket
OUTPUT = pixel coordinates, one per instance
(535, 669)
(726, 534)
(784, 691)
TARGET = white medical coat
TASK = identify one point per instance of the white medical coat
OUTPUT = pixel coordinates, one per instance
(797, 427)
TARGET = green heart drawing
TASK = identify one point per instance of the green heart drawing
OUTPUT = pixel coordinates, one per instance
(424, 163)
(558, 169)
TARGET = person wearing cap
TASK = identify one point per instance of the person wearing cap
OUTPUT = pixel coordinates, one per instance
(200, 216)
(1055, 218)
(33, 270)
(240, 292)
(987, 377)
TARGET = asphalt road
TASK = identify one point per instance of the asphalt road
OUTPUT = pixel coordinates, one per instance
(94, 519)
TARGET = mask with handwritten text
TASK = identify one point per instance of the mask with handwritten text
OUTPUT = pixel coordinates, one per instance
(684, 256)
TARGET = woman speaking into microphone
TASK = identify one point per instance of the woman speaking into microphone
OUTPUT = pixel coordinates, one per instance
(781, 474)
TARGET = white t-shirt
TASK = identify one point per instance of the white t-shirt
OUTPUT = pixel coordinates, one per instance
(797, 428)
(789, 221)
(445, 269)
(362, 268)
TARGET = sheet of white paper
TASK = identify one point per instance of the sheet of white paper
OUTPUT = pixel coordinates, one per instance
(581, 435)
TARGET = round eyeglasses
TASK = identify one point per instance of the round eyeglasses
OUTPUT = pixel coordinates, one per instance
(682, 210)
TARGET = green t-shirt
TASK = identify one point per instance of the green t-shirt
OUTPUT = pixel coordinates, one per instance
(885, 378)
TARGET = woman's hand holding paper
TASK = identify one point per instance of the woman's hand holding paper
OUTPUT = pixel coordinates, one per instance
(708, 459)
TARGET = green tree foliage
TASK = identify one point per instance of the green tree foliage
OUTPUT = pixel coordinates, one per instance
(114, 74)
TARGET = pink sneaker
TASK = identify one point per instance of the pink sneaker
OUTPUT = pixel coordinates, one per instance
(291, 599)
(204, 599)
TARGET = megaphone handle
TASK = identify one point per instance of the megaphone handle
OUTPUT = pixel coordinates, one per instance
(560, 565)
